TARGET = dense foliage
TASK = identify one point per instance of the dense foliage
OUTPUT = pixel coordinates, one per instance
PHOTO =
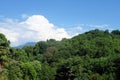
(93, 55)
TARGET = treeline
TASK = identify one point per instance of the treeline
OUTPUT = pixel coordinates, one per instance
(93, 55)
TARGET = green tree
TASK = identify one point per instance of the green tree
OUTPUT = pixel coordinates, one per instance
(4, 50)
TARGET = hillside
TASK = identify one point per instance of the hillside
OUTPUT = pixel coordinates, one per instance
(93, 55)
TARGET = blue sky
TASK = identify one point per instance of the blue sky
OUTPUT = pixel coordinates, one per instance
(69, 17)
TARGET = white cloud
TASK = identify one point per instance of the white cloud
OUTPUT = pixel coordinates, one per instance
(34, 28)
(75, 30)
(9, 34)
(99, 26)
(24, 16)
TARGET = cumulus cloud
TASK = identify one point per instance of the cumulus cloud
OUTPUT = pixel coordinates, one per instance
(34, 28)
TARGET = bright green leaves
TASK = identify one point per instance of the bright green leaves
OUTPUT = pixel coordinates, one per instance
(94, 55)
(4, 50)
(30, 70)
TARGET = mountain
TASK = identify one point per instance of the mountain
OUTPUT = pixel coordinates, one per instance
(26, 44)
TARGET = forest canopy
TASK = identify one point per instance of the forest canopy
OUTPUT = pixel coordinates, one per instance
(93, 55)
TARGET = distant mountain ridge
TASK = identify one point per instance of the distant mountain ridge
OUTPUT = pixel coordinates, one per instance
(26, 44)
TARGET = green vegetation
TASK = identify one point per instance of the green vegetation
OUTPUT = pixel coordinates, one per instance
(93, 55)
